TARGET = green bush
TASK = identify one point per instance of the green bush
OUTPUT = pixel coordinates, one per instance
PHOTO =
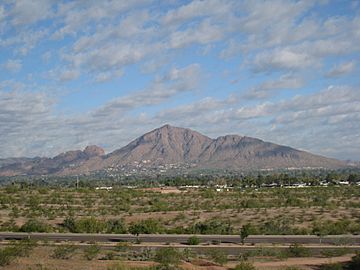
(7, 255)
(188, 254)
(90, 225)
(244, 266)
(354, 264)
(211, 227)
(193, 240)
(17, 249)
(122, 246)
(33, 225)
(24, 247)
(218, 256)
(64, 252)
(120, 266)
(332, 266)
(116, 226)
(168, 257)
(245, 231)
(90, 252)
(297, 250)
(147, 226)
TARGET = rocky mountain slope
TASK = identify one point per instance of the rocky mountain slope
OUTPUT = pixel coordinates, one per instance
(173, 145)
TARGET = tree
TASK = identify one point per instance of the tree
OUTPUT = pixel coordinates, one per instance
(353, 178)
(245, 231)
(320, 230)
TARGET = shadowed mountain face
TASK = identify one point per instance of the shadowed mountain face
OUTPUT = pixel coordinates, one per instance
(43, 166)
(169, 145)
(164, 145)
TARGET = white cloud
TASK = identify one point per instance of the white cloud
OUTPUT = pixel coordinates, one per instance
(105, 39)
(12, 65)
(69, 75)
(174, 82)
(76, 15)
(46, 56)
(204, 33)
(268, 88)
(283, 59)
(107, 76)
(341, 69)
(28, 12)
(196, 9)
(2, 13)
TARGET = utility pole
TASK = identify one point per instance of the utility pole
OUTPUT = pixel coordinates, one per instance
(77, 182)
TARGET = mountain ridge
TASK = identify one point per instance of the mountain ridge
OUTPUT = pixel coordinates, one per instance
(175, 145)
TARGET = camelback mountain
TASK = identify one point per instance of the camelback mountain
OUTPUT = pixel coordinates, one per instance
(174, 145)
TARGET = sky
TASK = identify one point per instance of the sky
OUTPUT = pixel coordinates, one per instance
(78, 73)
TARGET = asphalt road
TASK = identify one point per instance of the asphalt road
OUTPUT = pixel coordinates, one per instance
(181, 239)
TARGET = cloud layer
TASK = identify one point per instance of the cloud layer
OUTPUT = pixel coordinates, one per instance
(75, 73)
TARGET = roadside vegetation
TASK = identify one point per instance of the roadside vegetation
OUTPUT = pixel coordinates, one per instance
(24, 255)
(181, 206)
(310, 210)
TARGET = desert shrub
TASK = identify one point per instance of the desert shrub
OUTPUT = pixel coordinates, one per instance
(244, 266)
(116, 226)
(120, 266)
(24, 247)
(109, 256)
(335, 227)
(34, 225)
(297, 250)
(146, 226)
(354, 264)
(188, 254)
(91, 251)
(39, 267)
(246, 230)
(335, 252)
(70, 224)
(7, 255)
(276, 226)
(64, 252)
(218, 256)
(168, 257)
(17, 249)
(90, 225)
(193, 240)
(211, 227)
(122, 246)
(332, 266)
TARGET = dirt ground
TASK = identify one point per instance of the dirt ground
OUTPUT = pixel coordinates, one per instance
(40, 259)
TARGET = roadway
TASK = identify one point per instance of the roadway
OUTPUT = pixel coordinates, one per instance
(181, 238)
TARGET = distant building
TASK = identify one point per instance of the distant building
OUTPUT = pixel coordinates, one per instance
(104, 188)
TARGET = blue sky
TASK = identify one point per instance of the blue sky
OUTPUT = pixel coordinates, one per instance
(75, 73)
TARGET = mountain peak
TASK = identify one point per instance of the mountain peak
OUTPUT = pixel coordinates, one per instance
(167, 128)
(169, 145)
(94, 150)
